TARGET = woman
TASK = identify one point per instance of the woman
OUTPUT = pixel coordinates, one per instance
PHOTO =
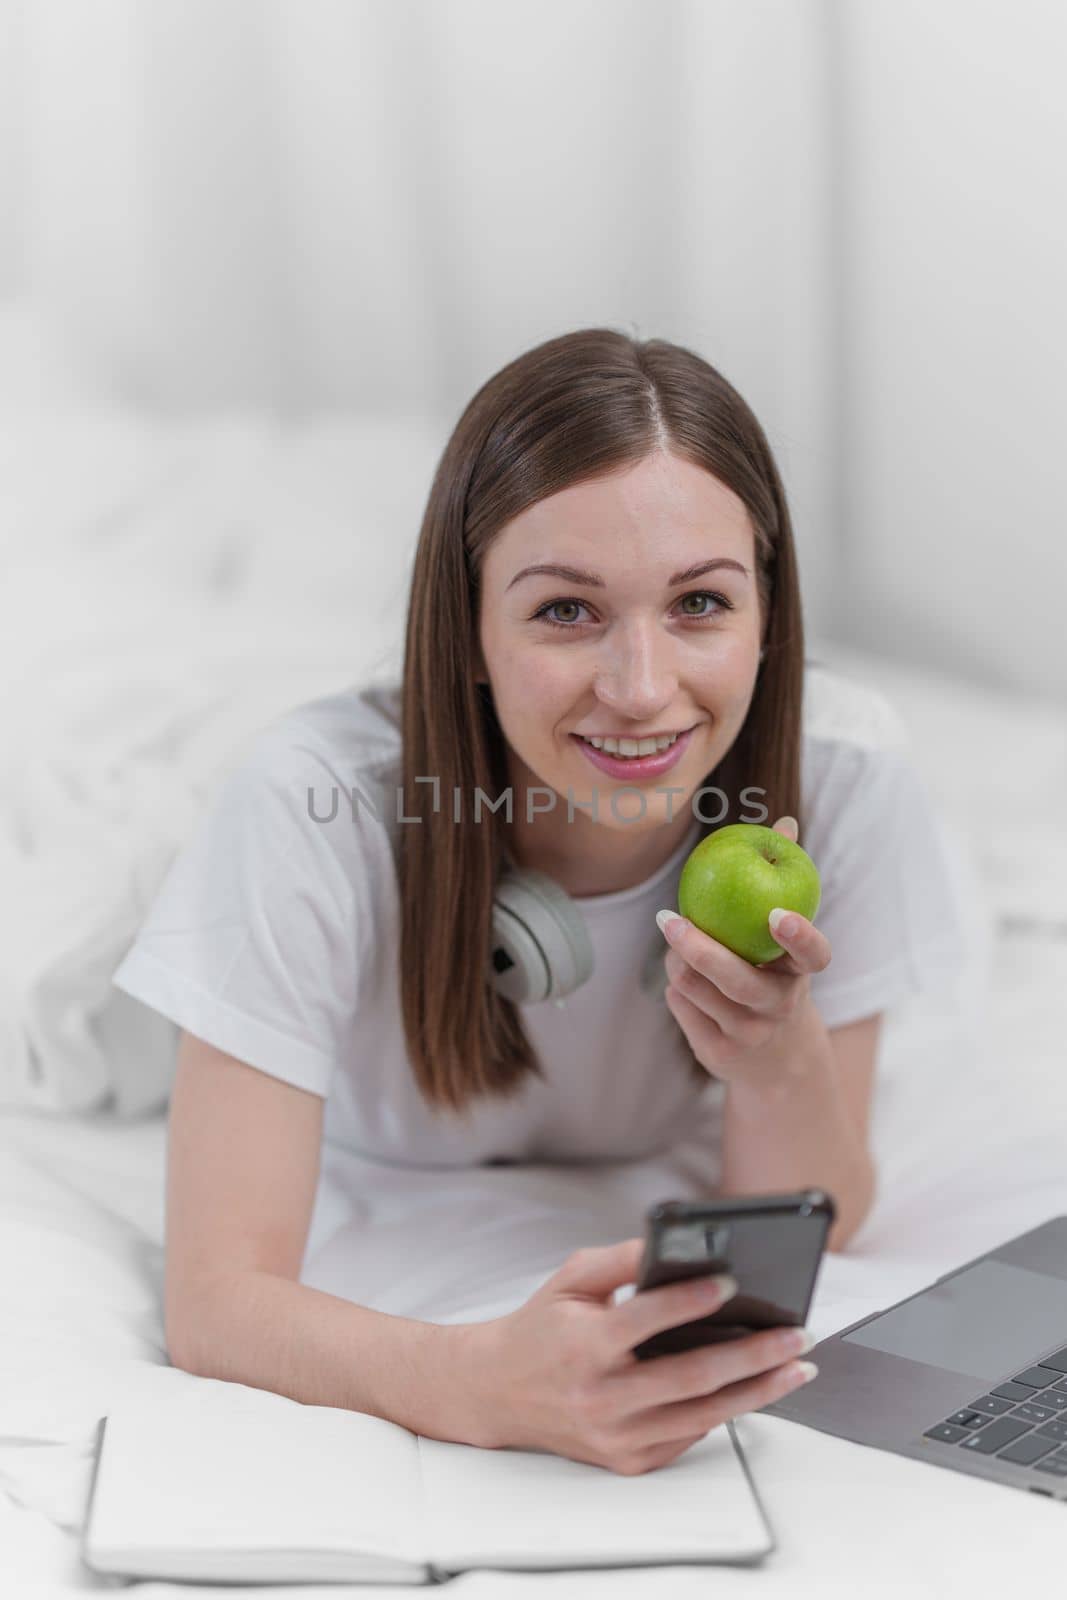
(606, 555)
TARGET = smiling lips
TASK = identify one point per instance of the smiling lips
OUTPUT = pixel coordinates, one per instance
(610, 755)
(630, 747)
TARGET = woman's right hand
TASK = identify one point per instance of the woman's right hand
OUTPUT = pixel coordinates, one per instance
(559, 1373)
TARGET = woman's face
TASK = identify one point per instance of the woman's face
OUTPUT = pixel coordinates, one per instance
(624, 646)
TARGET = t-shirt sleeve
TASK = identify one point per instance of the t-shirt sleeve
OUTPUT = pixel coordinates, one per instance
(889, 904)
(260, 930)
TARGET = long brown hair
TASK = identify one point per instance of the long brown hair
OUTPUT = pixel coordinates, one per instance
(577, 407)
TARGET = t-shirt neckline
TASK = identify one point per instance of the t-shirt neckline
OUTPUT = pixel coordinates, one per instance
(636, 891)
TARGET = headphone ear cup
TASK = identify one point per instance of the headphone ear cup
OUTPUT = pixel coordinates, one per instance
(541, 948)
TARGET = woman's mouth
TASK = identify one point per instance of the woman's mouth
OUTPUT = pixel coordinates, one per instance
(626, 761)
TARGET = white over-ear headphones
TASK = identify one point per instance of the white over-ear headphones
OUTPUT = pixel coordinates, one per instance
(540, 946)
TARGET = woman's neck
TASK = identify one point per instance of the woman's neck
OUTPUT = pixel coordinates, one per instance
(586, 857)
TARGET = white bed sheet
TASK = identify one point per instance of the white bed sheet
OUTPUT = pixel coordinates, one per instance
(156, 533)
(969, 1137)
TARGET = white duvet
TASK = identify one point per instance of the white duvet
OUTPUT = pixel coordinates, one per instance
(157, 627)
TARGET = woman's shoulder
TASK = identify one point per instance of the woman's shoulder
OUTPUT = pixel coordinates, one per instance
(358, 723)
(314, 787)
(268, 928)
(889, 904)
(349, 737)
(862, 789)
(857, 762)
(839, 711)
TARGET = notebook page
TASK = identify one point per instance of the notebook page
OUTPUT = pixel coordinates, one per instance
(197, 1464)
(518, 1508)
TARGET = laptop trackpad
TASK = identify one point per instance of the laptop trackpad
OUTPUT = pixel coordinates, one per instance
(982, 1322)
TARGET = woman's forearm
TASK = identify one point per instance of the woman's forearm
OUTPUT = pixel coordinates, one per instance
(272, 1333)
(792, 1130)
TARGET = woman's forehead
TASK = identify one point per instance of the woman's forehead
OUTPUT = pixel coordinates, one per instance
(657, 520)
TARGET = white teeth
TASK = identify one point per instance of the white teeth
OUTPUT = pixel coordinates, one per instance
(632, 747)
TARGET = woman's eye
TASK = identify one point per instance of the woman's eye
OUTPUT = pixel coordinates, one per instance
(555, 605)
(720, 601)
(571, 607)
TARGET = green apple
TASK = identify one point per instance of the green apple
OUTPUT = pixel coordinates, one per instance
(733, 879)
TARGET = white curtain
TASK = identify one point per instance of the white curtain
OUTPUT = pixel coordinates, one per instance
(852, 207)
(369, 202)
(373, 204)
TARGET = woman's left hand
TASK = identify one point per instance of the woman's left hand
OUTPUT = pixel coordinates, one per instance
(738, 1017)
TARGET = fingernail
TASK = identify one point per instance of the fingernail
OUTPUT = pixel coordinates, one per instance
(726, 1285)
(805, 1370)
(803, 1340)
(664, 920)
(781, 922)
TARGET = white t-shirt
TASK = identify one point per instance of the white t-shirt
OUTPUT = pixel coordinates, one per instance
(274, 937)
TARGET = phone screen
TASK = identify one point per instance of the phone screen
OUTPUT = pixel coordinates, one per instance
(772, 1244)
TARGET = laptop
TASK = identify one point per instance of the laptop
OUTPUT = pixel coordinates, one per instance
(968, 1374)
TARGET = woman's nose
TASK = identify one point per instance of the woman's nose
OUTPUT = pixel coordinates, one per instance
(637, 673)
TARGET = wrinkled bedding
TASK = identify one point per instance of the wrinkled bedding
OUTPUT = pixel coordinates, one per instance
(970, 1149)
(157, 625)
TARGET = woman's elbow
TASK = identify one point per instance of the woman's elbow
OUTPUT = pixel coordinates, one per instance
(852, 1215)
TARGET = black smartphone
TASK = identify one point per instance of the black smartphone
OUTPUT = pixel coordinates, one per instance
(771, 1243)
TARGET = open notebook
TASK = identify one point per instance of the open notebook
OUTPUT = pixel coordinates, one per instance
(206, 1480)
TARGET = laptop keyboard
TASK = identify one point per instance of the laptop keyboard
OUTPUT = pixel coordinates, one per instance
(1022, 1420)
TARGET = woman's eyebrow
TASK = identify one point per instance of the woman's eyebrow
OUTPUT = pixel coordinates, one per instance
(592, 580)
